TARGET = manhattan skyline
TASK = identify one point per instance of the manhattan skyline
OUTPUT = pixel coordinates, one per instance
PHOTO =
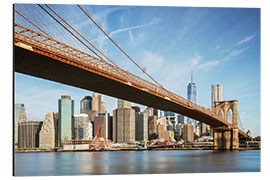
(220, 45)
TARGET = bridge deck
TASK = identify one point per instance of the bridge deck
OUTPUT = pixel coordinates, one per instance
(43, 66)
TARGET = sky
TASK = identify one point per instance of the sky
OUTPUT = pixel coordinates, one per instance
(220, 46)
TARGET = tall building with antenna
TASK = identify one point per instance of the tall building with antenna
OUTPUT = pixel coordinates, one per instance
(192, 96)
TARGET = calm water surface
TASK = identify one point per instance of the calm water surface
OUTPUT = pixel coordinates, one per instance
(134, 162)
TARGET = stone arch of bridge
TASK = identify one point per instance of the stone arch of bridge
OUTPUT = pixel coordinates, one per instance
(223, 108)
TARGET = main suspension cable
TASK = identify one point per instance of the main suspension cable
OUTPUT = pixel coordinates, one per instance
(116, 44)
(33, 23)
(125, 52)
(71, 32)
(80, 34)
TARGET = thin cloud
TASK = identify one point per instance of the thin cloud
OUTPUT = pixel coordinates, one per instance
(208, 65)
(99, 16)
(246, 39)
(101, 38)
(234, 53)
(195, 63)
(152, 22)
(217, 47)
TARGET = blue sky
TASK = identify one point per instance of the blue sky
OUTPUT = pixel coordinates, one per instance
(220, 45)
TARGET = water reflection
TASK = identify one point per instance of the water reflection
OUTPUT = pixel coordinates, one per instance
(135, 162)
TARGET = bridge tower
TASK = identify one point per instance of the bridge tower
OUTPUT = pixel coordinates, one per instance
(226, 138)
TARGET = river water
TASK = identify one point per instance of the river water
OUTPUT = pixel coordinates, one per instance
(134, 162)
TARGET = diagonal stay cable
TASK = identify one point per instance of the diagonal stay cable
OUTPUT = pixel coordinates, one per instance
(125, 52)
(71, 32)
(79, 34)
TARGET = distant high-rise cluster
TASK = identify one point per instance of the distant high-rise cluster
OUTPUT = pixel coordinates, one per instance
(128, 123)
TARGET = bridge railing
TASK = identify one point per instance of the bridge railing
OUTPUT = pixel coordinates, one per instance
(49, 44)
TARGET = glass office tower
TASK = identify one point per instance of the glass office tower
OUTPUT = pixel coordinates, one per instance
(192, 96)
(66, 112)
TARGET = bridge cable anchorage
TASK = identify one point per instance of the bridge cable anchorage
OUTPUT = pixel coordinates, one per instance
(71, 33)
(33, 24)
(80, 35)
(125, 52)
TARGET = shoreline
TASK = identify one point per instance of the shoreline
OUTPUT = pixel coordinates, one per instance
(128, 149)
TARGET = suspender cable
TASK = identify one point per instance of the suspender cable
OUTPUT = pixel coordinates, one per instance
(32, 23)
(240, 121)
(80, 34)
(70, 32)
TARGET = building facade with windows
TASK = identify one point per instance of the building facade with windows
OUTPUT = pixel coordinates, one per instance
(65, 116)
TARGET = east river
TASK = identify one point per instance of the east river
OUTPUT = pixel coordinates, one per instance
(134, 162)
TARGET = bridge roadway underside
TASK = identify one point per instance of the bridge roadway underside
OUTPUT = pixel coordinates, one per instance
(41, 66)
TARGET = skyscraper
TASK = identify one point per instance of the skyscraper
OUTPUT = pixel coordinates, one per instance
(178, 131)
(150, 111)
(123, 122)
(95, 101)
(188, 132)
(86, 105)
(98, 104)
(162, 120)
(17, 113)
(216, 94)
(170, 126)
(47, 132)
(136, 108)
(101, 105)
(80, 126)
(192, 96)
(156, 112)
(181, 119)
(123, 104)
(152, 127)
(141, 126)
(29, 134)
(65, 115)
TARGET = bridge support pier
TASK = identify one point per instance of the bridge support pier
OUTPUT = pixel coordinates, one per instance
(235, 139)
(226, 139)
